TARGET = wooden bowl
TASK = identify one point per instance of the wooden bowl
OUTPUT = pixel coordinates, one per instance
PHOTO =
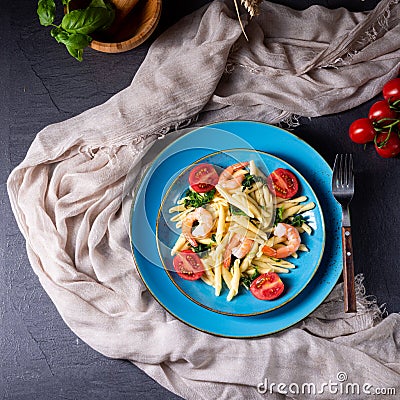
(129, 33)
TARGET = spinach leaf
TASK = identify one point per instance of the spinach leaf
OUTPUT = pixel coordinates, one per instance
(248, 181)
(46, 11)
(278, 216)
(88, 20)
(196, 199)
(298, 220)
(200, 248)
(236, 211)
(247, 281)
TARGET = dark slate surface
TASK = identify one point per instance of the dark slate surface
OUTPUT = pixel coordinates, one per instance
(40, 358)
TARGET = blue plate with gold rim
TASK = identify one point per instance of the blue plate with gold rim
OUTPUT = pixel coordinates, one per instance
(185, 151)
(244, 304)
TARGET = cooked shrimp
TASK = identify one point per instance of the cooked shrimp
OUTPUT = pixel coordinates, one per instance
(206, 223)
(239, 246)
(293, 237)
(227, 180)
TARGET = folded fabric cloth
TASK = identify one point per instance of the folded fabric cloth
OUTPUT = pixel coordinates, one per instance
(67, 196)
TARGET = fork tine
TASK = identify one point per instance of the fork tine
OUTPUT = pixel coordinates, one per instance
(351, 173)
(340, 183)
(335, 177)
(346, 171)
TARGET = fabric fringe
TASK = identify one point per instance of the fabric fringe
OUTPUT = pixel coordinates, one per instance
(289, 121)
(111, 150)
(177, 125)
(371, 34)
(368, 303)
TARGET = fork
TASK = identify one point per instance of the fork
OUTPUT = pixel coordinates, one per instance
(343, 191)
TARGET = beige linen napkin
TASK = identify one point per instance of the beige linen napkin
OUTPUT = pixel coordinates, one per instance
(67, 196)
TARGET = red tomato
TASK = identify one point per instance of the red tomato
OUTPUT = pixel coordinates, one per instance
(203, 178)
(386, 145)
(362, 131)
(381, 113)
(283, 183)
(267, 286)
(188, 265)
(391, 90)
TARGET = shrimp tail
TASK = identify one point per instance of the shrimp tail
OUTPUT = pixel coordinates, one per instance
(191, 240)
(293, 237)
(240, 165)
(205, 220)
(227, 179)
(269, 251)
(227, 262)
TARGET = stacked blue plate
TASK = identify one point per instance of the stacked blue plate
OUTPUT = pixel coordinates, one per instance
(193, 302)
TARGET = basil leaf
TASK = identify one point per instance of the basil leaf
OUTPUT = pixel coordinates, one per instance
(76, 53)
(87, 21)
(55, 32)
(98, 3)
(73, 40)
(111, 14)
(108, 6)
(78, 40)
(46, 11)
(62, 37)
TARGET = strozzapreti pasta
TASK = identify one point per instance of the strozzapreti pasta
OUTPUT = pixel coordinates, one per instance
(234, 231)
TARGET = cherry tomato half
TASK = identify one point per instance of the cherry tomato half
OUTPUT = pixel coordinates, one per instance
(362, 131)
(283, 183)
(188, 265)
(267, 286)
(391, 90)
(381, 113)
(203, 178)
(387, 146)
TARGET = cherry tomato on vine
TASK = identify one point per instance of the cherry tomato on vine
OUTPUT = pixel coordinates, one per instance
(362, 131)
(381, 114)
(387, 145)
(391, 90)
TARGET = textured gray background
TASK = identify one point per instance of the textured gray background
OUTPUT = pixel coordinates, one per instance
(40, 84)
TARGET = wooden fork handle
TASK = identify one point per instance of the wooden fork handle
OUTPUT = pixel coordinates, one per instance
(348, 272)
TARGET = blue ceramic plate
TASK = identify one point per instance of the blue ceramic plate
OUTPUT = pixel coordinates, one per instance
(244, 304)
(185, 151)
